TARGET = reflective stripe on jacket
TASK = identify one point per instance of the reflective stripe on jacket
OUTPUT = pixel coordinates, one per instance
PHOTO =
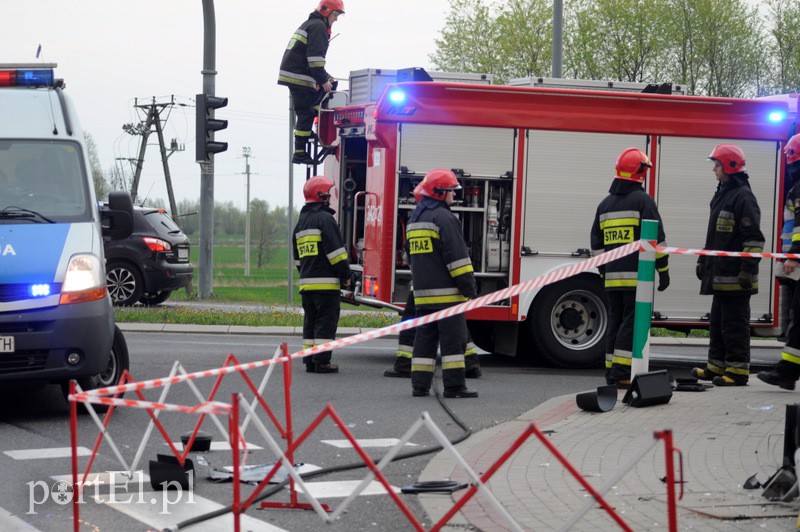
(618, 222)
(734, 225)
(319, 254)
(440, 264)
(303, 63)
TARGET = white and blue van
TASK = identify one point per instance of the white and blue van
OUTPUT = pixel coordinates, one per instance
(56, 318)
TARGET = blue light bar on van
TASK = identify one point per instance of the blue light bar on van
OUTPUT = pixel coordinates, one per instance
(776, 116)
(40, 290)
(29, 77)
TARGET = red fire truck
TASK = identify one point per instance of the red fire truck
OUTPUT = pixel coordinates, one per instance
(534, 162)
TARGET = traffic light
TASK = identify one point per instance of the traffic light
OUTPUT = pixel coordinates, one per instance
(206, 126)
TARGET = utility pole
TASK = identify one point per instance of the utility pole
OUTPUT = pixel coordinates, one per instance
(154, 110)
(558, 30)
(206, 260)
(246, 155)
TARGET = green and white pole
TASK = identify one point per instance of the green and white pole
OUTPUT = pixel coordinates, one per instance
(640, 358)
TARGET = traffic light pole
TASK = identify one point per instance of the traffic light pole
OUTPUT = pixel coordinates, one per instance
(206, 264)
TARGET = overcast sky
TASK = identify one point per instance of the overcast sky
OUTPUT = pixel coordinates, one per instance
(112, 52)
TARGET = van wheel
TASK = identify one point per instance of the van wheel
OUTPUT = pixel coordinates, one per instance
(155, 298)
(568, 321)
(118, 362)
(124, 283)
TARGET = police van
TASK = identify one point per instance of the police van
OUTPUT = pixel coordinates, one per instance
(56, 318)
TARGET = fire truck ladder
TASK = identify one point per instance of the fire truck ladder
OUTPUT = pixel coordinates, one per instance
(320, 151)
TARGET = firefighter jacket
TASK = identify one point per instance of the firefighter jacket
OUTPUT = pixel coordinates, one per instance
(319, 254)
(440, 264)
(618, 221)
(303, 64)
(734, 225)
(791, 224)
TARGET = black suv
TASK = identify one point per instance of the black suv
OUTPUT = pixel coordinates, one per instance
(151, 263)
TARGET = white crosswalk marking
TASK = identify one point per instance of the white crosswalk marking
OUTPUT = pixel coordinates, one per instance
(152, 514)
(11, 523)
(343, 488)
(376, 442)
(55, 452)
(219, 446)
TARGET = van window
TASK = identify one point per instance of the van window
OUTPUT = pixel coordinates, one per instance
(48, 177)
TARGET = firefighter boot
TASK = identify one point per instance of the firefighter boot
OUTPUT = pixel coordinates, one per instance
(730, 379)
(420, 392)
(783, 374)
(459, 391)
(705, 374)
(397, 373)
(301, 156)
(326, 368)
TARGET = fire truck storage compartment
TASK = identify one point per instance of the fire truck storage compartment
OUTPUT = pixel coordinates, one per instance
(367, 85)
(483, 160)
(685, 186)
(353, 172)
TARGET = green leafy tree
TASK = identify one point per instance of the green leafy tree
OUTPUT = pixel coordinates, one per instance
(267, 229)
(524, 39)
(785, 32)
(623, 40)
(468, 40)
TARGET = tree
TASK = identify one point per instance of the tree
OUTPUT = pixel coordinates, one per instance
(624, 40)
(267, 229)
(785, 31)
(524, 39)
(468, 40)
(101, 188)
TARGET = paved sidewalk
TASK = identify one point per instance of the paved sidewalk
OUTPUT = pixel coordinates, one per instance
(726, 435)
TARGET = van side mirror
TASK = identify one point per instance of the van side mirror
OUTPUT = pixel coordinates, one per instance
(117, 217)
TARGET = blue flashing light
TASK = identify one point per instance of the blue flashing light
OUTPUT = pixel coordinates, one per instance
(776, 116)
(397, 96)
(40, 290)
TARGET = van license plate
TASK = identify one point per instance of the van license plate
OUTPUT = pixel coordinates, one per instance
(6, 344)
(183, 254)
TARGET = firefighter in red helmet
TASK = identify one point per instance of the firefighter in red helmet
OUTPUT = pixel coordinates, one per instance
(321, 259)
(734, 225)
(442, 272)
(787, 371)
(405, 340)
(303, 71)
(618, 221)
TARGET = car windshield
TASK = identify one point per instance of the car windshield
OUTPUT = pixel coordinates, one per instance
(44, 179)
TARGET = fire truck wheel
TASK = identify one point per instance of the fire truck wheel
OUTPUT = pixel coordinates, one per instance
(568, 322)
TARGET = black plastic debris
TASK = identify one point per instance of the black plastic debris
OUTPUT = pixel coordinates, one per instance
(751, 483)
(601, 400)
(166, 472)
(201, 444)
(252, 474)
(434, 486)
(690, 384)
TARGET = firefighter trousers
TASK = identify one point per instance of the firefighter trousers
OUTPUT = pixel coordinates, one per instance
(789, 364)
(729, 328)
(619, 340)
(449, 335)
(306, 106)
(320, 320)
(405, 343)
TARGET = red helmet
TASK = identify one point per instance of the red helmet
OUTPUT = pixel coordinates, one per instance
(792, 149)
(437, 182)
(730, 156)
(418, 191)
(317, 189)
(326, 7)
(632, 165)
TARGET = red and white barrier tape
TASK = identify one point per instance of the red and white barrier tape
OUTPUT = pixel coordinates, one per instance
(715, 253)
(552, 277)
